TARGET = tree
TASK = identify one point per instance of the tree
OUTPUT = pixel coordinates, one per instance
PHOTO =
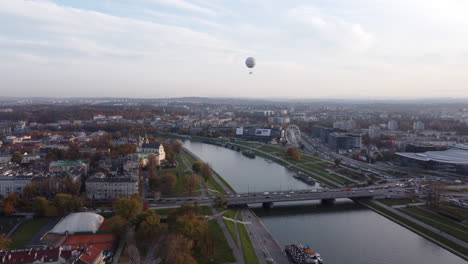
(128, 207)
(434, 192)
(10, 203)
(167, 183)
(337, 162)
(206, 172)
(191, 183)
(30, 191)
(8, 207)
(72, 187)
(149, 229)
(176, 146)
(197, 165)
(293, 153)
(4, 242)
(220, 201)
(178, 250)
(152, 165)
(17, 157)
(153, 183)
(118, 225)
(142, 216)
(67, 203)
(170, 155)
(43, 207)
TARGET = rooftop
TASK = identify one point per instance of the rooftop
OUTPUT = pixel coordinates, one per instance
(452, 156)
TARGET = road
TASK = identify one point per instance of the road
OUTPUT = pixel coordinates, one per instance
(281, 196)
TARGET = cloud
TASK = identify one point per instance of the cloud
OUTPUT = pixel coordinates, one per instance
(182, 20)
(332, 29)
(184, 5)
(97, 34)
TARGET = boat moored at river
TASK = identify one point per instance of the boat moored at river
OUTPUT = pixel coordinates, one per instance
(300, 254)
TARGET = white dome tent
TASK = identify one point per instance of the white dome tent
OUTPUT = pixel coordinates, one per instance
(78, 223)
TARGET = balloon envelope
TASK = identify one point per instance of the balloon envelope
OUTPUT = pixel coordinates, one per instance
(250, 62)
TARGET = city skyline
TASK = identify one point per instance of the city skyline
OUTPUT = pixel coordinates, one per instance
(162, 48)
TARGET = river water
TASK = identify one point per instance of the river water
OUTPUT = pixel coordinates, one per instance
(345, 233)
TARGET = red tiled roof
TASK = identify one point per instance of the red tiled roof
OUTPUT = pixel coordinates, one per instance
(95, 244)
(24, 256)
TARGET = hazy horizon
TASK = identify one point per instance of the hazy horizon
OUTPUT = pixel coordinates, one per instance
(360, 49)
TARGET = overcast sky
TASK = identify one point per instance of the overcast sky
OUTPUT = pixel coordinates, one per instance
(173, 48)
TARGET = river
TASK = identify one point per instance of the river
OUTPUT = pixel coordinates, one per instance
(345, 233)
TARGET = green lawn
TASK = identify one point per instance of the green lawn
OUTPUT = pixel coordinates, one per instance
(247, 247)
(214, 185)
(231, 225)
(26, 232)
(392, 202)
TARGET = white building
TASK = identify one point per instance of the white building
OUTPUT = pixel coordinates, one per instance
(4, 159)
(418, 125)
(374, 131)
(392, 125)
(154, 148)
(13, 184)
(85, 222)
(101, 188)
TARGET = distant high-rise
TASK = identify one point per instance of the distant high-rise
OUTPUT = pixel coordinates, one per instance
(418, 125)
(374, 131)
(392, 125)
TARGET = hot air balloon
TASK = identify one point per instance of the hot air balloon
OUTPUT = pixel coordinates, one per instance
(250, 63)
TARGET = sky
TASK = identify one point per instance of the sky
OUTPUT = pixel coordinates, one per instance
(177, 48)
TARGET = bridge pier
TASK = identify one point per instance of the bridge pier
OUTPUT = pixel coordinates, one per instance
(267, 205)
(328, 201)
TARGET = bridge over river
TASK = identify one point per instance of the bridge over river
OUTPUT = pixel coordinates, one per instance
(268, 198)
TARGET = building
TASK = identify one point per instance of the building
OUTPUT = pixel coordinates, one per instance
(13, 184)
(30, 158)
(104, 188)
(392, 125)
(323, 133)
(260, 134)
(418, 148)
(278, 120)
(418, 125)
(78, 223)
(452, 160)
(345, 125)
(344, 142)
(154, 148)
(263, 113)
(58, 166)
(58, 255)
(374, 131)
(5, 158)
(5, 128)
